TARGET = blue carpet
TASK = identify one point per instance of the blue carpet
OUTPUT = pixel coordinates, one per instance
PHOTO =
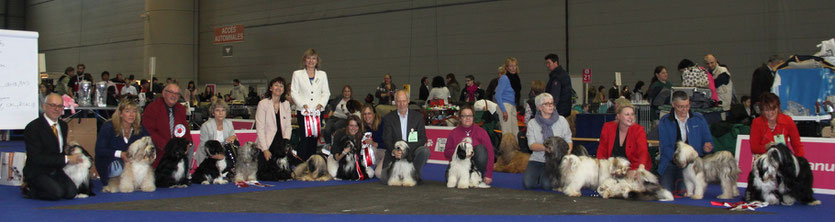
(15, 208)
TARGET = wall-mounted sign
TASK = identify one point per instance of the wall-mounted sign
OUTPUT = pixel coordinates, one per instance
(227, 34)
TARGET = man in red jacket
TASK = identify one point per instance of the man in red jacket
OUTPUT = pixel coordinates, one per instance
(165, 118)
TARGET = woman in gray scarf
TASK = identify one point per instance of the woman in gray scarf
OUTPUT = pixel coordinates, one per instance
(545, 124)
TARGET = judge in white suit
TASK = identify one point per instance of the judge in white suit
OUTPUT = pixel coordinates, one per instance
(310, 92)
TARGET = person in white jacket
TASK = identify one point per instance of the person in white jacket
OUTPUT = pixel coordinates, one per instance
(310, 93)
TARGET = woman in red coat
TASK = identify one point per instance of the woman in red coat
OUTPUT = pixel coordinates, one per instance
(773, 124)
(625, 138)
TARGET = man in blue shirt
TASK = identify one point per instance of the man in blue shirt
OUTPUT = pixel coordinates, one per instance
(681, 125)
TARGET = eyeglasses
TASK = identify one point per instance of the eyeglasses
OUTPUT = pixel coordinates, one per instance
(466, 116)
(548, 104)
(55, 106)
(172, 92)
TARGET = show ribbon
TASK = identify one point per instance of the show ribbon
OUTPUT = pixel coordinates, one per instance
(367, 150)
(359, 170)
(311, 123)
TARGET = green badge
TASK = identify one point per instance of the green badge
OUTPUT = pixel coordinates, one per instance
(779, 138)
(413, 137)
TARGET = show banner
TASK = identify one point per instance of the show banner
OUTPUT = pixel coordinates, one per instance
(819, 151)
(436, 142)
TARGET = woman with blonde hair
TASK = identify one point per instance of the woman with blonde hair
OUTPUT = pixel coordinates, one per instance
(511, 65)
(372, 123)
(115, 136)
(310, 92)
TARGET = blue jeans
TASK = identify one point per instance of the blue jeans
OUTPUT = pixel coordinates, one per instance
(535, 177)
(673, 180)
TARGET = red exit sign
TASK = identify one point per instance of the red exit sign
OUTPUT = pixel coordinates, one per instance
(227, 34)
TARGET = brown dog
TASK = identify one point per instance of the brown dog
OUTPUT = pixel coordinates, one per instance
(512, 160)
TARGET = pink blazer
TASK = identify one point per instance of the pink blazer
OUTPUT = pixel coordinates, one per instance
(265, 122)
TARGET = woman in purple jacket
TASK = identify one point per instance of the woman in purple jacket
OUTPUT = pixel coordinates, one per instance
(483, 148)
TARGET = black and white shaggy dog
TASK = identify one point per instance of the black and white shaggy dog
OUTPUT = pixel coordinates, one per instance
(350, 167)
(246, 166)
(172, 170)
(557, 148)
(462, 172)
(80, 173)
(137, 172)
(780, 177)
(402, 172)
(211, 170)
(718, 167)
(277, 168)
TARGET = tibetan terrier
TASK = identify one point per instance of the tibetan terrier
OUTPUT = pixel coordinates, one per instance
(80, 173)
(718, 167)
(137, 172)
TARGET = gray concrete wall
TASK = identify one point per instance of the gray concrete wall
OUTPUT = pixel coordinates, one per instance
(359, 41)
(104, 35)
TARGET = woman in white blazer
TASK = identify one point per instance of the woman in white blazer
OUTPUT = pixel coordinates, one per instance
(272, 116)
(218, 128)
(310, 92)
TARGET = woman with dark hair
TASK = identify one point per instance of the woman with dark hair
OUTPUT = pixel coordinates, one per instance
(637, 93)
(600, 97)
(64, 82)
(190, 94)
(272, 119)
(452, 85)
(471, 92)
(659, 82)
(483, 156)
(424, 88)
(774, 127)
(207, 94)
(339, 112)
(385, 92)
(439, 90)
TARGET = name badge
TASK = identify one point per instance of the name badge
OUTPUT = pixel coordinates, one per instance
(413, 137)
(779, 138)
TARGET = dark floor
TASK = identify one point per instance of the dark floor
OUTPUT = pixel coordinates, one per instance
(431, 198)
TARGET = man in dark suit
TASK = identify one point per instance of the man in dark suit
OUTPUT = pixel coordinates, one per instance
(165, 118)
(45, 137)
(406, 125)
(763, 78)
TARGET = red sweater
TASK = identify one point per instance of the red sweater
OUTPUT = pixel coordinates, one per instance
(155, 121)
(636, 144)
(479, 137)
(762, 135)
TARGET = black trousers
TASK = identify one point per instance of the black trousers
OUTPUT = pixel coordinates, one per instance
(307, 145)
(53, 186)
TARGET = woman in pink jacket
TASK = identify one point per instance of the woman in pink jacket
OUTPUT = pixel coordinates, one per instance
(272, 118)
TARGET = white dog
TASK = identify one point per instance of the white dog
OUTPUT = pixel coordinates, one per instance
(137, 172)
(718, 167)
(462, 172)
(584, 171)
(402, 171)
